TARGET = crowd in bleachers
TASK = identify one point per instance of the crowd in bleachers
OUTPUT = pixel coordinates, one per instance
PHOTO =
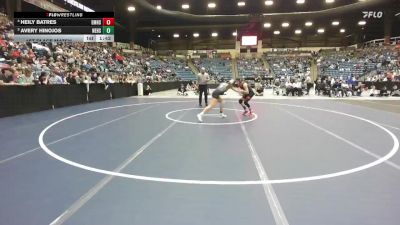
(292, 85)
(341, 73)
(372, 63)
(348, 72)
(292, 73)
(75, 63)
(169, 67)
(189, 87)
(290, 66)
(219, 69)
(335, 87)
(251, 68)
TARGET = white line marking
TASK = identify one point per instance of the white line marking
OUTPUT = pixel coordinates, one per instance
(386, 125)
(383, 124)
(58, 218)
(101, 184)
(255, 116)
(53, 142)
(276, 208)
(76, 134)
(212, 115)
(19, 155)
(391, 153)
(340, 138)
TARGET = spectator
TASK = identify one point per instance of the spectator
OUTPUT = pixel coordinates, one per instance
(373, 92)
(26, 78)
(147, 90)
(337, 88)
(326, 88)
(384, 92)
(276, 89)
(297, 87)
(195, 88)
(309, 84)
(319, 87)
(189, 87)
(100, 79)
(15, 76)
(73, 77)
(346, 91)
(358, 89)
(6, 76)
(55, 79)
(395, 91)
(259, 89)
(43, 78)
(108, 79)
(289, 87)
(182, 90)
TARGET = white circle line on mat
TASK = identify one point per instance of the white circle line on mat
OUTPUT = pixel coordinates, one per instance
(168, 116)
(391, 153)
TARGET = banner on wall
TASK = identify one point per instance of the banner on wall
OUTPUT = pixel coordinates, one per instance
(130, 51)
(137, 47)
(122, 45)
(180, 56)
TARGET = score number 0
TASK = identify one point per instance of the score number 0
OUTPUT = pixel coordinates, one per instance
(108, 21)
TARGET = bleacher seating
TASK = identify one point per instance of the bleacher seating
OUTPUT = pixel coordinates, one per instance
(289, 65)
(251, 68)
(172, 66)
(217, 67)
(360, 62)
(183, 71)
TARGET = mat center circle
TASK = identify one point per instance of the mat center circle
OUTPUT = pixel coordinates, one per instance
(222, 121)
(117, 173)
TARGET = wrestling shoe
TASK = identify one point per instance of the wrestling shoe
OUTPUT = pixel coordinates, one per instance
(200, 118)
(244, 113)
(223, 115)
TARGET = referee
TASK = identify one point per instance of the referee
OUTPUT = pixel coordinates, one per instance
(202, 80)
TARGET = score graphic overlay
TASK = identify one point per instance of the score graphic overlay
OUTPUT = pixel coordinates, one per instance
(64, 26)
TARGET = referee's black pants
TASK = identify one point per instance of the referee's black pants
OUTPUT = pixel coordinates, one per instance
(203, 89)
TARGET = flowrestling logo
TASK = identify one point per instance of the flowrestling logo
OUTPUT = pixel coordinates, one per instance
(372, 14)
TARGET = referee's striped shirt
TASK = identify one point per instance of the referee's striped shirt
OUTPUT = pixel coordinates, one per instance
(202, 79)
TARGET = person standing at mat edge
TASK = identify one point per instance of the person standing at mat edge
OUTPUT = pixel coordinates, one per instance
(202, 80)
